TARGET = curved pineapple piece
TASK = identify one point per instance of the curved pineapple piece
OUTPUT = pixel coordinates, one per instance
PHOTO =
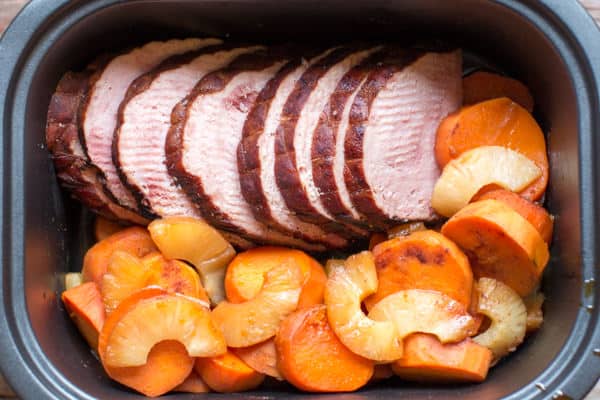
(425, 311)
(194, 241)
(535, 315)
(125, 275)
(174, 276)
(144, 321)
(73, 279)
(508, 315)
(332, 264)
(346, 287)
(256, 320)
(462, 177)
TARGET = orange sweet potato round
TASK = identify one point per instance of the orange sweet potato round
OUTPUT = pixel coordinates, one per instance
(427, 360)
(422, 260)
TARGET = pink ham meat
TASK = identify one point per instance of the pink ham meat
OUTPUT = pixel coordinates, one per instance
(202, 145)
(390, 167)
(107, 92)
(73, 169)
(327, 150)
(145, 119)
(298, 121)
(256, 158)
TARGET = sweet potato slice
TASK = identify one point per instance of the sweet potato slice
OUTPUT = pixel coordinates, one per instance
(500, 244)
(246, 273)
(192, 384)
(499, 122)
(228, 373)
(481, 85)
(262, 357)
(134, 240)
(167, 366)
(312, 358)
(535, 214)
(426, 359)
(422, 260)
(85, 307)
(381, 372)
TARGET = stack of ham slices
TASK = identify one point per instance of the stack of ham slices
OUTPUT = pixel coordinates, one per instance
(296, 146)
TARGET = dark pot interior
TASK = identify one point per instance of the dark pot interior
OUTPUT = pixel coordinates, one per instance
(517, 39)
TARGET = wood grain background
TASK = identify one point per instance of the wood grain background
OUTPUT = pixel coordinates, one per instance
(9, 8)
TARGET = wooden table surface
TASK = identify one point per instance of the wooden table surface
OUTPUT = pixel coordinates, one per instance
(8, 9)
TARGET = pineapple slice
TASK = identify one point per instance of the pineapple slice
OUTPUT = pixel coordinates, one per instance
(425, 311)
(346, 287)
(127, 274)
(73, 279)
(258, 319)
(508, 316)
(174, 276)
(145, 320)
(462, 177)
(196, 242)
(332, 264)
(535, 315)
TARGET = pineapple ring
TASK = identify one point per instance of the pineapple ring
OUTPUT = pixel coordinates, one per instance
(346, 287)
(425, 311)
(194, 241)
(256, 320)
(462, 177)
(508, 316)
(160, 316)
(127, 274)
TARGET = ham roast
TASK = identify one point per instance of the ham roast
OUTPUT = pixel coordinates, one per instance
(294, 146)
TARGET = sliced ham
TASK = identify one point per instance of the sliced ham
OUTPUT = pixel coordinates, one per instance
(293, 164)
(327, 149)
(145, 119)
(202, 145)
(73, 169)
(256, 158)
(390, 168)
(106, 93)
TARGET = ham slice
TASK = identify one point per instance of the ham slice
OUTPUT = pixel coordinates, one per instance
(299, 119)
(327, 150)
(73, 168)
(390, 167)
(203, 139)
(139, 143)
(106, 93)
(256, 158)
